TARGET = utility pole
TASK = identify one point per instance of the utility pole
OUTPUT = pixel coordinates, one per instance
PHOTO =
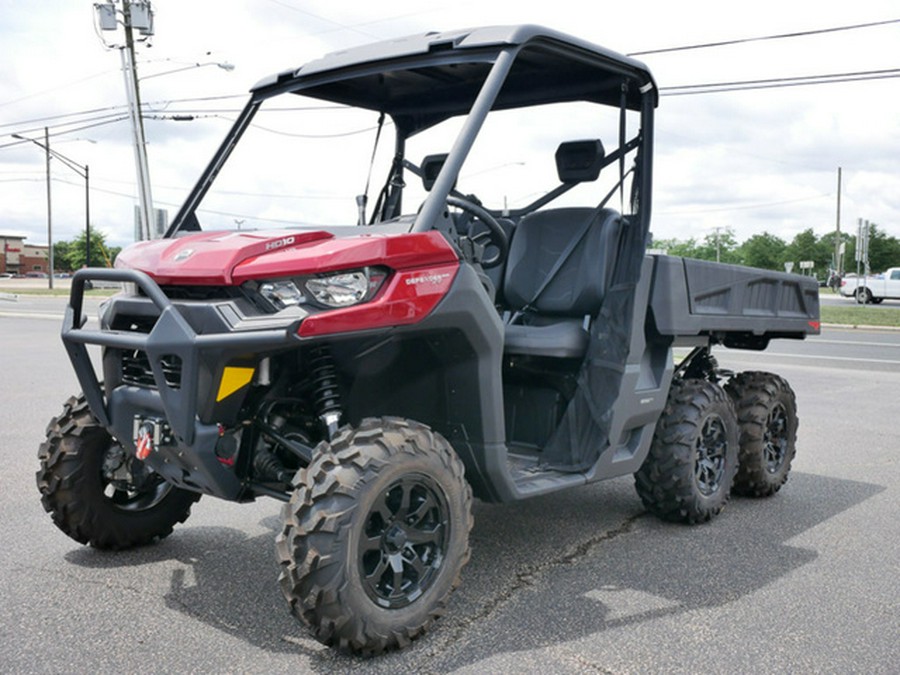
(718, 248)
(136, 15)
(50, 260)
(82, 170)
(87, 216)
(129, 70)
(837, 235)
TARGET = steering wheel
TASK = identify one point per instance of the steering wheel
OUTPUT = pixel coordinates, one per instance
(494, 235)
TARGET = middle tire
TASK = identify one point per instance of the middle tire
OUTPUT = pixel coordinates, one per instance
(688, 473)
(375, 535)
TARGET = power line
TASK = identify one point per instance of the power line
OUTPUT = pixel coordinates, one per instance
(150, 105)
(159, 106)
(110, 110)
(779, 36)
(317, 17)
(115, 109)
(71, 131)
(356, 27)
(344, 134)
(778, 82)
(860, 73)
(111, 114)
(178, 114)
(743, 207)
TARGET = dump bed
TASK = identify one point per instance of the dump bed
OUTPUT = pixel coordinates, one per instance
(741, 306)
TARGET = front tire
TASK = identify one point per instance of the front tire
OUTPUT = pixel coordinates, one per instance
(375, 535)
(688, 473)
(97, 494)
(767, 414)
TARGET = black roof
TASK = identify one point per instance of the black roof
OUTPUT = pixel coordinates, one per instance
(423, 79)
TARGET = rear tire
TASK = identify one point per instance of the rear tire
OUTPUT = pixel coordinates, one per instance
(88, 486)
(375, 535)
(688, 474)
(863, 296)
(767, 415)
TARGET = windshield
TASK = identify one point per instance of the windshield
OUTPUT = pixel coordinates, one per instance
(299, 163)
(302, 163)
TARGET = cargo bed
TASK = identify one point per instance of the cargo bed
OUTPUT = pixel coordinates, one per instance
(741, 306)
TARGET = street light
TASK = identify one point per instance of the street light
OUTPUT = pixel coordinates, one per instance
(82, 170)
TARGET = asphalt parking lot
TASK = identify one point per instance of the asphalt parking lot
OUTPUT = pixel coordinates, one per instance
(580, 581)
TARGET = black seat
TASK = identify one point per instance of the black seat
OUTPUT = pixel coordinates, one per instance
(554, 324)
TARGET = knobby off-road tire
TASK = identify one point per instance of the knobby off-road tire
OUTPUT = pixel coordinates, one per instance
(767, 415)
(83, 501)
(375, 535)
(688, 473)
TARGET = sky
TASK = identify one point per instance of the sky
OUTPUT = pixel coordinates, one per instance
(753, 161)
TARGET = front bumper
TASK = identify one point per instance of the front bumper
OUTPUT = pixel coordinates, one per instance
(201, 347)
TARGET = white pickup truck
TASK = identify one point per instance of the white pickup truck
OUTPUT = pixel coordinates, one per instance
(873, 287)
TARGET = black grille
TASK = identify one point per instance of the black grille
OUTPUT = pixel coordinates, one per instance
(199, 292)
(136, 370)
(135, 324)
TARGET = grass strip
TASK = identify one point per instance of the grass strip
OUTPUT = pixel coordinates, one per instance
(860, 315)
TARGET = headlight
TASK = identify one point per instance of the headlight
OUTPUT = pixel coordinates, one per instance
(281, 294)
(334, 290)
(346, 289)
(339, 290)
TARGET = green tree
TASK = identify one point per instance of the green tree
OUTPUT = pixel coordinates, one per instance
(764, 250)
(826, 241)
(720, 245)
(884, 250)
(806, 246)
(61, 251)
(685, 249)
(111, 253)
(78, 250)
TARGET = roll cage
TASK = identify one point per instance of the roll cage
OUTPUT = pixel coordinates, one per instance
(424, 80)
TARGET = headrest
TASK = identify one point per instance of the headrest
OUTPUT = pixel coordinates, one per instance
(431, 167)
(579, 161)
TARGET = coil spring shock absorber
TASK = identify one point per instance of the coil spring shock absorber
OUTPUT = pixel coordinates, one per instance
(326, 395)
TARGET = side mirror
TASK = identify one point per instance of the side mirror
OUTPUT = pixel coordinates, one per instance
(431, 167)
(579, 161)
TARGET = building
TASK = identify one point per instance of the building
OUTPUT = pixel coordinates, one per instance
(160, 224)
(35, 259)
(17, 257)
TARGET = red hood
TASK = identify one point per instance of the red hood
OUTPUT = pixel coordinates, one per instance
(230, 258)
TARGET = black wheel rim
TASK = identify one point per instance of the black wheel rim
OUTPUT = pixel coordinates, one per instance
(118, 479)
(126, 498)
(404, 541)
(775, 438)
(711, 447)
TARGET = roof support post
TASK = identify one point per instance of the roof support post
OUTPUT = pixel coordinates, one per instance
(463, 144)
